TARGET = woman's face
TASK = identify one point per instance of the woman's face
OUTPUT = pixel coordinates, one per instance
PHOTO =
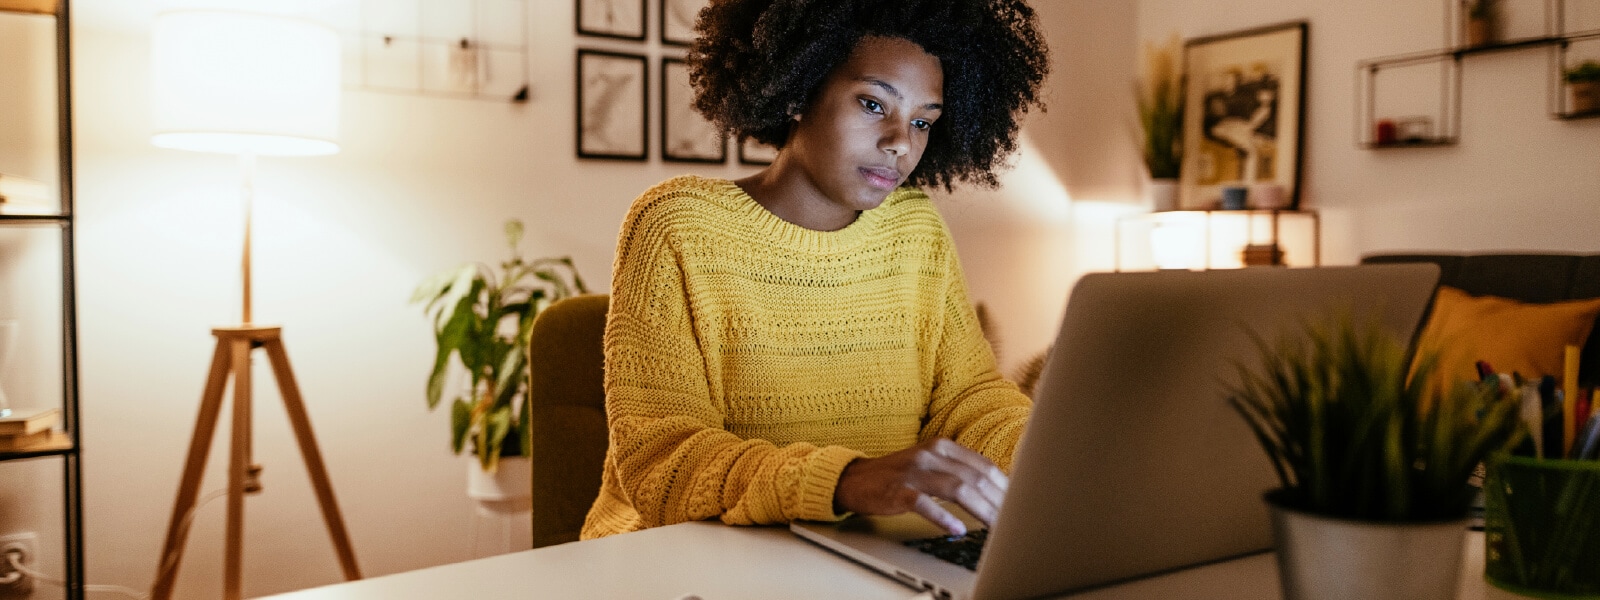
(865, 130)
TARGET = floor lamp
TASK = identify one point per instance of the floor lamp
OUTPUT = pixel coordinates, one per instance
(245, 84)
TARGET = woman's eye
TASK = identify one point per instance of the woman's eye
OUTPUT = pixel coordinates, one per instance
(872, 106)
(922, 124)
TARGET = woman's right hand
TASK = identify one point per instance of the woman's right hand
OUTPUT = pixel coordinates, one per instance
(915, 479)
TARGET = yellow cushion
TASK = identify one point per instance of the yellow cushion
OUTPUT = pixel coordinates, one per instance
(1512, 336)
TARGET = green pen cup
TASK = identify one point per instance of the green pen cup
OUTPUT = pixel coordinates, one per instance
(1542, 527)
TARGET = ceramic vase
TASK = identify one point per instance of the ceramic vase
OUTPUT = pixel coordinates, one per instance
(1163, 194)
(507, 490)
(1328, 558)
(1480, 31)
(1585, 96)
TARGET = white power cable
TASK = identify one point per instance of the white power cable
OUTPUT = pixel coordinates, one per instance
(20, 570)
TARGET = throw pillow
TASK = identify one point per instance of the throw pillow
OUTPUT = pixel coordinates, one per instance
(1512, 336)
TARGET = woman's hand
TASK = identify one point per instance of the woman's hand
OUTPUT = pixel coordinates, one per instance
(915, 478)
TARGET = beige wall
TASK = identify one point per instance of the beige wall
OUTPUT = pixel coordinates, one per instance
(422, 184)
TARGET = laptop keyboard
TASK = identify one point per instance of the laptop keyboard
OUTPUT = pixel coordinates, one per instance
(963, 550)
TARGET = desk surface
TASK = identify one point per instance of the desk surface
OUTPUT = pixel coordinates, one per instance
(718, 562)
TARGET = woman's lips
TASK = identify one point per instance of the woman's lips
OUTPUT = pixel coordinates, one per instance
(881, 177)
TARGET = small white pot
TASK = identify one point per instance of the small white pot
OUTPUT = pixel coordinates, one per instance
(507, 490)
(1163, 194)
(1327, 558)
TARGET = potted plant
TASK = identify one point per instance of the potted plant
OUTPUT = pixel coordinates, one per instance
(1374, 462)
(1159, 96)
(1481, 21)
(482, 318)
(1584, 82)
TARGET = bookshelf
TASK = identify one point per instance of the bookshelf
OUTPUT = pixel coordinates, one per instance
(39, 243)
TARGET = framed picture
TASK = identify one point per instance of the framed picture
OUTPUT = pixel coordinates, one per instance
(613, 117)
(686, 136)
(1243, 113)
(621, 19)
(752, 152)
(677, 20)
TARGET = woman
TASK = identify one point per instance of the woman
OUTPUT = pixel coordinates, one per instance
(798, 344)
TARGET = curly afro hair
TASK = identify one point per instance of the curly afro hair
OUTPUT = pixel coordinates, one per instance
(755, 64)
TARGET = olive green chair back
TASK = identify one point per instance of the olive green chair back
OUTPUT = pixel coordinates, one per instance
(567, 411)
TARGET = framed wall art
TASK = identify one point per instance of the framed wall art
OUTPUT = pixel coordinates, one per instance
(1243, 113)
(677, 20)
(613, 117)
(752, 152)
(686, 136)
(621, 19)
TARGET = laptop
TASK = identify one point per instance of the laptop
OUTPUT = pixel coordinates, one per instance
(1133, 464)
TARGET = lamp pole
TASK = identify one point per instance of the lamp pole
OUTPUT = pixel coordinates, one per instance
(247, 166)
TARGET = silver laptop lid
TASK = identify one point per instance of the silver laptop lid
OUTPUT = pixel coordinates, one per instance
(1132, 462)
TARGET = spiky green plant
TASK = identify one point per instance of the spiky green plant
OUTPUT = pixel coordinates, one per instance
(484, 320)
(1159, 96)
(1350, 434)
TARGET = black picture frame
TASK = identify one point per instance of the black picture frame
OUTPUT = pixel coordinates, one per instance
(676, 20)
(607, 83)
(1227, 141)
(755, 153)
(686, 136)
(614, 19)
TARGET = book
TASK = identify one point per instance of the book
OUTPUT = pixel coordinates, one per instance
(33, 441)
(29, 421)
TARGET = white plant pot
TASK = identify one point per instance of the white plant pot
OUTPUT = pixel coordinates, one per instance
(1326, 558)
(1163, 194)
(507, 490)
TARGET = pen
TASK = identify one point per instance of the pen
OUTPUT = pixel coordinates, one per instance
(1588, 444)
(1569, 390)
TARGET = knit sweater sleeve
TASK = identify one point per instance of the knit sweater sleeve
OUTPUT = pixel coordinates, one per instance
(669, 449)
(972, 403)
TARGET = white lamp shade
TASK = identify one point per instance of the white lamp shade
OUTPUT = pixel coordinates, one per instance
(244, 83)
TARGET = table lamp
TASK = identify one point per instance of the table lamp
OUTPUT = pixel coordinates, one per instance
(247, 84)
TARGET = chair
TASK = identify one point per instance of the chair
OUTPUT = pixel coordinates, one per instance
(567, 413)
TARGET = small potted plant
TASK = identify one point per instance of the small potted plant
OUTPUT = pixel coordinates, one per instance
(1374, 462)
(482, 318)
(1159, 95)
(1481, 22)
(1584, 82)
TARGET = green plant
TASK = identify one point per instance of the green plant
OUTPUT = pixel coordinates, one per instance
(484, 319)
(1588, 70)
(1350, 434)
(1159, 96)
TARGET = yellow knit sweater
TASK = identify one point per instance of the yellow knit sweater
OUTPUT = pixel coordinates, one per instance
(748, 360)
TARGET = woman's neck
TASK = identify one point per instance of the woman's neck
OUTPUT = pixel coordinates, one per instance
(788, 194)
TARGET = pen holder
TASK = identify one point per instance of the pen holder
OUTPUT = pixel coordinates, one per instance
(1542, 527)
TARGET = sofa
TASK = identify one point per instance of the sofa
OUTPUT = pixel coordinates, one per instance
(1530, 277)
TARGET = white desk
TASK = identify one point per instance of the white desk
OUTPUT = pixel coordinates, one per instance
(719, 562)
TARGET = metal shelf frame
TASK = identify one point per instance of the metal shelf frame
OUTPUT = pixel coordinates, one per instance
(70, 456)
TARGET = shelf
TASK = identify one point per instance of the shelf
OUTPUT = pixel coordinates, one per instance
(38, 7)
(6, 219)
(1507, 45)
(1433, 143)
(58, 444)
(1237, 211)
(1574, 116)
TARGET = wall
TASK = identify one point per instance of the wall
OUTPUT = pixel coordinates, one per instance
(1517, 180)
(420, 185)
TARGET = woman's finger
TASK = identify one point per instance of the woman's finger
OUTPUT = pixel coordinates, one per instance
(930, 510)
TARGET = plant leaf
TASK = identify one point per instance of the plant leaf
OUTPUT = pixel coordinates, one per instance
(460, 422)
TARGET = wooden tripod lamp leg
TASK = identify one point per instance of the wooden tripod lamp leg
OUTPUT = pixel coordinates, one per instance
(298, 418)
(205, 427)
(238, 465)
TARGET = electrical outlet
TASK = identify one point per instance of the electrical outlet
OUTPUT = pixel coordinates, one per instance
(26, 544)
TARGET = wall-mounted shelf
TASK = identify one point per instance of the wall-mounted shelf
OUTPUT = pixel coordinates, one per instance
(1443, 123)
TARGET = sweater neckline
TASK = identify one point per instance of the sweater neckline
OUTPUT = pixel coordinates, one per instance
(800, 237)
